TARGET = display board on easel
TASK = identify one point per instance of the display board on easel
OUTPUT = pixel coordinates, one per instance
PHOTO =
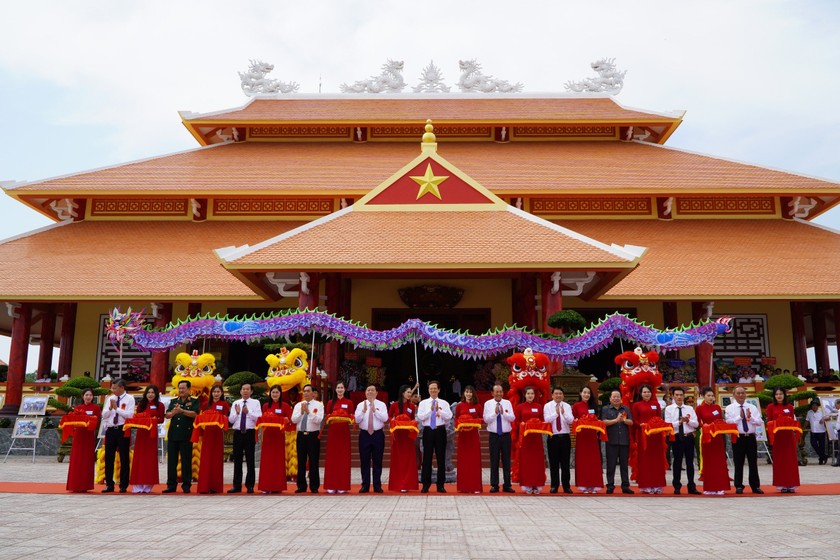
(27, 428)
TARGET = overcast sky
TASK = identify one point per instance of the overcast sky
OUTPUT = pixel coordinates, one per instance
(90, 84)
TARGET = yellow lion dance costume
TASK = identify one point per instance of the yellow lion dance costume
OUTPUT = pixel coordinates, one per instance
(287, 370)
(199, 370)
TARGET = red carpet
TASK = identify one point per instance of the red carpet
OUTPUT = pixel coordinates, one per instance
(805, 490)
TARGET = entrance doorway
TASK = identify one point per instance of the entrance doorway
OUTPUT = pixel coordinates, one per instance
(399, 364)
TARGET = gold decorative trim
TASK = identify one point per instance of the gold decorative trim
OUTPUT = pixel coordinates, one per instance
(271, 207)
(101, 207)
(727, 205)
(591, 206)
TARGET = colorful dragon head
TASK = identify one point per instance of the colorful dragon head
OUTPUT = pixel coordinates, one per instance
(198, 369)
(287, 369)
(528, 369)
(638, 368)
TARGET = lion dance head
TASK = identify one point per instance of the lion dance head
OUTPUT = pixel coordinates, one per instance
(287, 369)
(638, 368)
(528, 369)
(198, 369)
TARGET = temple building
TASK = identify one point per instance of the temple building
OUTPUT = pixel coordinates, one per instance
(502, 210)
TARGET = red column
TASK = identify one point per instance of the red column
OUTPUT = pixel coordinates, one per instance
(68, 333)
(331, 358)
(820, 336)
(837, 330)
(160, 360)
(528, 300)
(45, 351)
(702, 352)
(551, 302)
(21, 327)
(310, 300)
(797, 322)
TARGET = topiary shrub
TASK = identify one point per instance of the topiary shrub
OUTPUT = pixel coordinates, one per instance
(74, 387)
(785, 381)
(55, 403)
(568, 320)
(606, 387)
(802, 395)
(234, 383)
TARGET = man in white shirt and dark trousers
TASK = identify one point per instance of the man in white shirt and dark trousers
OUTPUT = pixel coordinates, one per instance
(371, 415)
(243, 420)
(432, 415)
(684, 420)
(117, 408)
(308, 416)
(816, 419)
(498, 415)
(559, 415)
(747, 418)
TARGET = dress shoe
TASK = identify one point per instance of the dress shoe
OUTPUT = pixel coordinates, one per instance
(300, 491)
(677, 491)
(250, 490)
(627, 491)
(610, 490)
(378, 490)
(108, 490)
(494, 489)
(168, 491)
(553, 490)
(694, 491)
(186, 490)
(123, 490)
(739, 490)
(364, 490)
(757, 491)
(508, 490)
(234, 491)
(314, 491)
(441, 490)
(567, 490)
(424, 490)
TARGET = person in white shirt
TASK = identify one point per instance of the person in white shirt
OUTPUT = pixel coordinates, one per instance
(747, 417)
(308, 416)
(559, 415)
(817, 420)
(432, 415)
(498, 415)
(243, 421)
(684, 420)
(371, 415)
(117, 408)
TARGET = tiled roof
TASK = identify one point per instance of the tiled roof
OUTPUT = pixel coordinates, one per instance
(352, 169)
(508, 240)
(724, 259)
(122, 260)
(440, 108)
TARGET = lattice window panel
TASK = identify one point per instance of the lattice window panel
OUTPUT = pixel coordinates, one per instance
(748, 338)
(107, 357)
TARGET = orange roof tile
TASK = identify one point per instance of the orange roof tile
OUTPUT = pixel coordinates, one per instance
(724, 259)
(125, 260)
(440, 108)
(515, 169)
(508, 239)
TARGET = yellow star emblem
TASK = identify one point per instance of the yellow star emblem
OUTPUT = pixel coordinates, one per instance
(429, 183)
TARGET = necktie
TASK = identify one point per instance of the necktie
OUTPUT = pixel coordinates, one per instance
(557, 422)
(303, 420)
(679, 411)
(433, 421)
(499, 418)
(744, 421)
(117, 416)
(242, 418)
(370, 419)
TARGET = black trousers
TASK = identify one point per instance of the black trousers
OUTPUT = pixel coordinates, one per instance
(618, 455)
(308, 451)
(499, 449)
(746, 447)
(683, 447)
(244, 444)
(116, 439)
(818, 443)
(174, 450)
(559, 459)
(371, 448)
(434, 441)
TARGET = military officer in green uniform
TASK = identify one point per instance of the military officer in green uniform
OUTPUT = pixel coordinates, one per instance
(181, 413)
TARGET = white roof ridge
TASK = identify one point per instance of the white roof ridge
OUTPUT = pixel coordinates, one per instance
(739, 162)
(230, 254)
(20, 184)
(816, 225)
(672, 114)
(189, 115)
(35, 231)
(628, 253)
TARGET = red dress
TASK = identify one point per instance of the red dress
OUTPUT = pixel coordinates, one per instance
(82, 453)
(588, 470)
(650, 464)
(531, 455)
(144, 464)
(713, 454)
(212, 458)
(469, 451)
(273, 452)
(337, 464)
(403, 471)
(785, 449)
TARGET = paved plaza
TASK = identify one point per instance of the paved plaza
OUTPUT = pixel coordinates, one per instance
(251, 527)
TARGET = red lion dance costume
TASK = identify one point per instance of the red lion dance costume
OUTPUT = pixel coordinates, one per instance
(637, 368)
(527, 369)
